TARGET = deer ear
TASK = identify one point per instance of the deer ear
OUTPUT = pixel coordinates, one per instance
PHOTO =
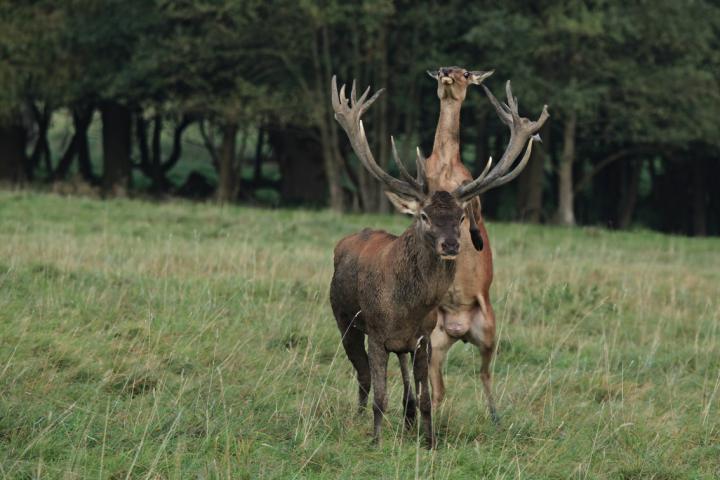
(404, 205)
(475, 234)
(433, 74)
(477, 76)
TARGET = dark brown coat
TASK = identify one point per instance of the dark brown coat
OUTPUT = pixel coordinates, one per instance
(387, 287)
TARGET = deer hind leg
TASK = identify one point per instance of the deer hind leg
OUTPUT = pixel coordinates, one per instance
(441, 343)
(421, 360)
(482, 334)
(409, 405)
(486, 378)
(354, 343)
(378, 358)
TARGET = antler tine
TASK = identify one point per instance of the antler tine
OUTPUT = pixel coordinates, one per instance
(334, 93)
(501, 109)
(510, 98)
(365, 94)
(364, 106)
(544, 115)
(401, 166)
(420, 167)
(348, 113)
(515, 172)
(521, 130)
(487, 168)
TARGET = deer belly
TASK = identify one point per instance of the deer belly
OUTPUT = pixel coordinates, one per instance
(407, 337)
(400, 345)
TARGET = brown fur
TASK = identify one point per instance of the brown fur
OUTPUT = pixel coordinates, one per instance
(387, 288)
(465, 312)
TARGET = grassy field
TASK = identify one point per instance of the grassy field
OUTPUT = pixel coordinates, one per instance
(180, 340)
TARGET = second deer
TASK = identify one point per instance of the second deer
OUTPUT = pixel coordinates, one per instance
(465, 312)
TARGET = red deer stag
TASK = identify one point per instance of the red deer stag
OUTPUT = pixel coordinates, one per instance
(388, 287)
(465, 312)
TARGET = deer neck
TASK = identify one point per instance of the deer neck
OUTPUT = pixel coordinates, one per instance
(447, 136)
(421, 270)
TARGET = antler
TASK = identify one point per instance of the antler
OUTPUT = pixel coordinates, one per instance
(348, 113)
(522, 131)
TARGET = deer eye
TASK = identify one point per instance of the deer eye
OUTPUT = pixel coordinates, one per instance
(424, 217)
(462, 219)
(467, 74)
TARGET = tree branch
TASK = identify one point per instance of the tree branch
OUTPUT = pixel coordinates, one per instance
(174, 156)
(209, 145)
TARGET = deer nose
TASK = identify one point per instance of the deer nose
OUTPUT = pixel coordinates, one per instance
(450, 246)
(445, 71)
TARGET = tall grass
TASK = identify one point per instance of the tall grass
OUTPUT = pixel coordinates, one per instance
(182, 340)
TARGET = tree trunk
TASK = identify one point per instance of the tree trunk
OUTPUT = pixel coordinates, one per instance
(141, 133)
(565, 214)
(299, 157)
(176, 151)
(70, 153)
(13, 137)
(629, 194)
(228, 181)
(383, 127)
(41, 149)
(491, 200)
(367, 190)
(531, 180)
(481, 145)
(328, 129)
(699, 197)
(82, 119)
(78, 147)
(157, 173)
(257, 164)
(116, 130)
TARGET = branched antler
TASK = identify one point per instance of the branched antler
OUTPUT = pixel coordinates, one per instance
(522, 131)
(348, 113)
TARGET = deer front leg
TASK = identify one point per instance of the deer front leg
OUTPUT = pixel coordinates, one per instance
(421, 359)
(378, 357)
(409, 405)
(441, 343)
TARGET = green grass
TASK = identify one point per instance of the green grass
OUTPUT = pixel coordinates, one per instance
(181, 340)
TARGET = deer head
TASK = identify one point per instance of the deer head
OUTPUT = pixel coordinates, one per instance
(437, 220)
(454, 81)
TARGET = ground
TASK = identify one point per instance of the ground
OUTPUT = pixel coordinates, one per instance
(181, 340)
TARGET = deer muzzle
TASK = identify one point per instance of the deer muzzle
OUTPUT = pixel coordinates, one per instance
(449, 248)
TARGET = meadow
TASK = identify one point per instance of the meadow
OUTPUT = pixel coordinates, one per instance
(188, 340)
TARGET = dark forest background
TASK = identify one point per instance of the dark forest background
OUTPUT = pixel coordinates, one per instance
(229, 100)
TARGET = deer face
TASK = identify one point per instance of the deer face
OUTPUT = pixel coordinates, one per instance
(438, 220)
(454, 81)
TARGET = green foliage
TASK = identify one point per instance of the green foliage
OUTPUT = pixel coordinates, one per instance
(642, 77)
(187, 340)
(635, 72)
(29, 34)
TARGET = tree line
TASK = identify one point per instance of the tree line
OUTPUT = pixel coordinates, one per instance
(633, 90)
